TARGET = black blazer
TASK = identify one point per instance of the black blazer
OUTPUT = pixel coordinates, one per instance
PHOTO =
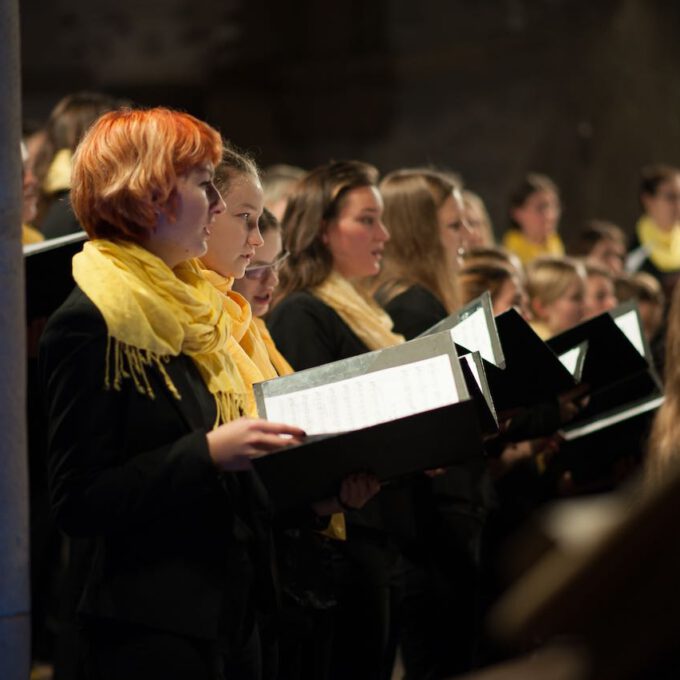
(177, 544)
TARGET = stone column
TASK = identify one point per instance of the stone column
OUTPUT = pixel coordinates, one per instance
(15, 654)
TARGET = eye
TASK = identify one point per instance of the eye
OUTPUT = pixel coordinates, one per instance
(367, 221)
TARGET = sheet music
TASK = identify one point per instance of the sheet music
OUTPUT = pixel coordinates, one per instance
(630, 326)
(570, 359)
(368, 399)
(469, 359)
(473, 334)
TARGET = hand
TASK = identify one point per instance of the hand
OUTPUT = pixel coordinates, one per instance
(234, 445)
(572, 402)
(357, 489)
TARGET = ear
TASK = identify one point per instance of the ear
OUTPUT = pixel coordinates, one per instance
(538, 309)
(516, 214)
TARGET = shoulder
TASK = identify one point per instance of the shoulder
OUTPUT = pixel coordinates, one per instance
(414, 311)
(416, 296)
(309, 333)
(77, 315)
(301, 307)
(75, 334)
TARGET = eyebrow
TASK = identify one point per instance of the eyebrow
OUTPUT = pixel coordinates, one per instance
(249, 206)
(375, 210)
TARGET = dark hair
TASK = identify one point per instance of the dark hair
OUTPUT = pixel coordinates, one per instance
(530, 184)
(653, 175)
(594, 232)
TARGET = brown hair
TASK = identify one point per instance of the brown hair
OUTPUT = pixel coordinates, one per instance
(532, 183)
(414, 254)
(126, 168)
(316, 201)
(651, 176)
(481, 276)
(594, 232)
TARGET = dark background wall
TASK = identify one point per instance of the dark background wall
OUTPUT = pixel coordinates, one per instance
(586, 91)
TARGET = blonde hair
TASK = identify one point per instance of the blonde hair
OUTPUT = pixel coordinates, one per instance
(415, 254)
(474, 201)
(126, 168)
(549, 278)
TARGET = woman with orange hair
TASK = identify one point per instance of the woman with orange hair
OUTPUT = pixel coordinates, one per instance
(149, 458)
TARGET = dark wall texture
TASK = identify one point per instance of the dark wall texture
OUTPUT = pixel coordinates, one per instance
(584, 91)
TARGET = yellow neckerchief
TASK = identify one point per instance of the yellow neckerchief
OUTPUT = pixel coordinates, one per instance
(368, 321)
(663, 246)
(245, 346)
(58, 177)
(30, 234)
(541, 329)
(153, 313)
(278, 360)
(516, 242)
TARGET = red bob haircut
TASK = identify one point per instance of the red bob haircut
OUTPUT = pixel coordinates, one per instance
(126, 167)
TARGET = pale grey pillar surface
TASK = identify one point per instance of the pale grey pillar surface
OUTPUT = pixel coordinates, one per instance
(14, 554)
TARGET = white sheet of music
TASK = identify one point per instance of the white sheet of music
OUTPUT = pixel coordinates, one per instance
(368, 399)
(570, 359)
(473, 334)
(628, 323)
(473, 367)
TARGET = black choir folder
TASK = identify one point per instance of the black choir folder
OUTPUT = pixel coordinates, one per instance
(618, 370)
(520, 369)
(392, 412)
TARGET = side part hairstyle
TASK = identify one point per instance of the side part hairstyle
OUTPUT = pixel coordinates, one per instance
(530, 184)
(548, 278)
(415, 254)
(126, 169)
(314, 203)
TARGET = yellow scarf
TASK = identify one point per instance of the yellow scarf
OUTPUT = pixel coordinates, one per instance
(58, 177)
(153, 313)
(30, 235)
(245, 345)
(663, 246)
(368, 321)
(278, 360)
(516, 242)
